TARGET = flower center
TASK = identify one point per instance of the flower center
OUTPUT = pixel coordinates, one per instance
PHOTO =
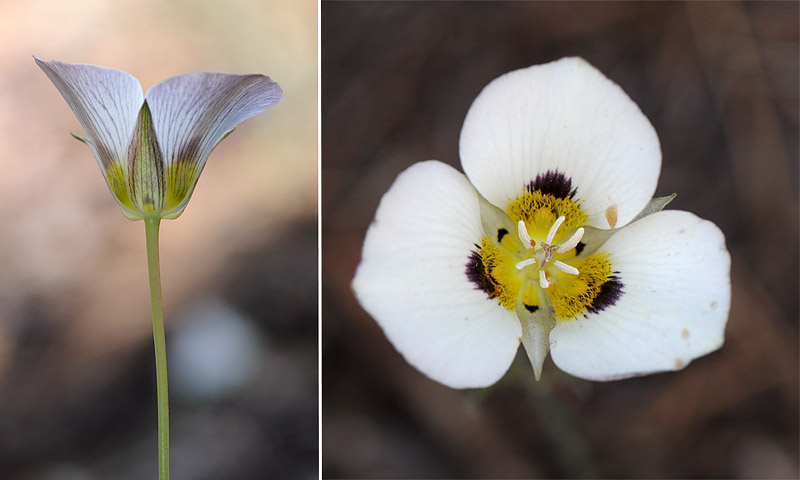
(530, 269)
(541, 254)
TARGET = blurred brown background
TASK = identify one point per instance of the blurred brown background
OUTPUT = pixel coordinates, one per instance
(77, 375)
(719, 81)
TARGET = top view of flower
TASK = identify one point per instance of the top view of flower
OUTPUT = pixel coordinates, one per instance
(550, 238)
(151, 148)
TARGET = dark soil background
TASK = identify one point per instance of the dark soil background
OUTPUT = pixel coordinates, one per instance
(719, 81)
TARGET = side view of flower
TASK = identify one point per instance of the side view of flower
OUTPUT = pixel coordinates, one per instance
(151, 148)
(550, 238)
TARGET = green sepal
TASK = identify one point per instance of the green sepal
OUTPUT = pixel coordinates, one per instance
(655, 205)
(536, 327)
(225, 135)
(80, 139)
(494, 220)
(146, 166)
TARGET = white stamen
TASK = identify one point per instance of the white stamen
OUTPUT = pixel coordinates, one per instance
(525, 263)
(573, 240)
(565, 268)
(544, 254)
(543, 279)
(552, 232)
(526, 240)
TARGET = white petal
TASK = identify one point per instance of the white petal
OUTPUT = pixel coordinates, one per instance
(675, 274)
(106, 102)
(192, 113)
(413, 280)
(562, 116)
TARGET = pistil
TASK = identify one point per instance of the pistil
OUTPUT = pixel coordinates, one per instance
(544, 253)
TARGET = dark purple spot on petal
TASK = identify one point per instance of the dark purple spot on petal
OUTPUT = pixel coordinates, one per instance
(553, 183)
(476, 273)
(610, 293)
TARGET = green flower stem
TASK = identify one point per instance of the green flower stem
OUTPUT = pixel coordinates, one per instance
(151, 225)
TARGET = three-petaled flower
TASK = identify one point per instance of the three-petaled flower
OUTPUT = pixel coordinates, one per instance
(151, 148)
(551, 240)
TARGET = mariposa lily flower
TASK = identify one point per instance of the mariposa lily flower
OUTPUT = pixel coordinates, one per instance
(151, 148)
(552, 240)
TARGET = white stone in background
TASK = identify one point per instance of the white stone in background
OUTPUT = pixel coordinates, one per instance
(213, 352)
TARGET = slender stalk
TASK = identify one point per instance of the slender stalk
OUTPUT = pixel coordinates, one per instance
(151, 225)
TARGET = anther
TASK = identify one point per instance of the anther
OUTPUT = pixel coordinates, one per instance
(525, 263)
(543, 279)
(565, 268)
(553, 229)
(572, 242)
(526, 240)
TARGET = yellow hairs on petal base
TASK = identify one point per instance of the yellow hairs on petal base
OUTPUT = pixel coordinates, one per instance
(574, 295)
(540, 210)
